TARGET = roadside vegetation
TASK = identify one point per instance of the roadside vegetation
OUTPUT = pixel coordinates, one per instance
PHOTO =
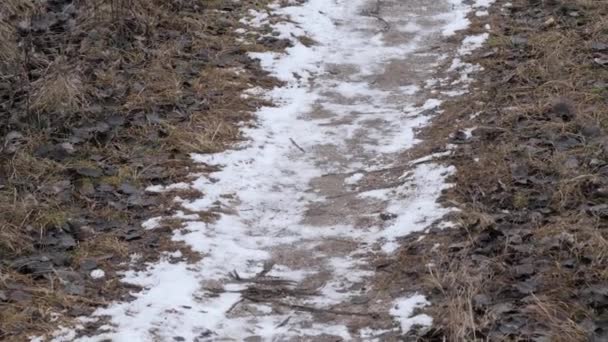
(98, 100)
(528, 258)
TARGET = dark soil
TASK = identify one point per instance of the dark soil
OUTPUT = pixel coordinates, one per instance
(527, 260)
(98, 100)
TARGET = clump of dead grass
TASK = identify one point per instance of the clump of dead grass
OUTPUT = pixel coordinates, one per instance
(60, 90)
(9, 50)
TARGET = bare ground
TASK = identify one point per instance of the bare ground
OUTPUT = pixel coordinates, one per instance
(98, 100)
(527, 260)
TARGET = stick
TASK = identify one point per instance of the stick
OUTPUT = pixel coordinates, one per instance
(296, 145)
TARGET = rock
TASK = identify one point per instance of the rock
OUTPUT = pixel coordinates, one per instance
(253, 339)
(116, 120)
(502, 308)
(359, 300)
(599, 47)
(527, 287)
(564, 109)
(66, 276)
(591, 131)
(387, 216)
(74, 289)
(86, 187)
(481, 301)
(596, 297)
(457, 246)
(88, 264)
(36, 265)
(105, 187)
(19, 296)
(519, 41)
(127, 188)
(601, 59)
(66, 241)
(132, 233)
(3, 296)
(89, 172)
(524, 270)
(58, 239)
(58, 152)
(178, 338)
(12, 141)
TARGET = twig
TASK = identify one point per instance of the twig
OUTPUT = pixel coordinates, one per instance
(234, 305)
(282, 324)
(296, 145)
(317, 310)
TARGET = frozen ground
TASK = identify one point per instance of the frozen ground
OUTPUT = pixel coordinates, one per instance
(323, 187)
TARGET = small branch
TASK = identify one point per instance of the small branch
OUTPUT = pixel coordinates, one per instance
(296, 145)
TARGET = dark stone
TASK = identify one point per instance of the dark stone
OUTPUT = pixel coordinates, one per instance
(87, 265)
(128, 189)
(37, 265)
(524, 270)
(481, 301)
(387, 216)
(591, 131)
(89, 172)
(527, 287)
(599, 47)
(74, 289)
(519, 41)
(19, 296)
(130, 234)
(564, 110)
(69, 276)
(54, 152)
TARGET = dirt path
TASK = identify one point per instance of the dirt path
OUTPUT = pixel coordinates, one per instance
(322, 191)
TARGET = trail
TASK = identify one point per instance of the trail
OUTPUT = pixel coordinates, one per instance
(323, 188)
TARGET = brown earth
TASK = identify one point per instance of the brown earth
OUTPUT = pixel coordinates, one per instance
(527, 259)
(98, 100)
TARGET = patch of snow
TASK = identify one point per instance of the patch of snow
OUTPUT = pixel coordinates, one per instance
(471, 43)
(483, 3)
(152, 223)
(97, 274)
(403, 310)
(354, 179)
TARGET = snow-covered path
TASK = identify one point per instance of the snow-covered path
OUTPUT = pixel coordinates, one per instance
(322, 189)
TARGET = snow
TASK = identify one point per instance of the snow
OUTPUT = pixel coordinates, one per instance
(97, 274)
(263, 188)
(152, 223)
(471, 43)
(354, 179)
(404, 308)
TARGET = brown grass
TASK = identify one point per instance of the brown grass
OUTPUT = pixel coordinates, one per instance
(61, 90)
(534, 96)
(178, 62)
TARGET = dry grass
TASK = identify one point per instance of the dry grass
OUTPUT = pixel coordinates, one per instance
(536, 99)
(9, 51)
(173, 72)
(61, 90)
